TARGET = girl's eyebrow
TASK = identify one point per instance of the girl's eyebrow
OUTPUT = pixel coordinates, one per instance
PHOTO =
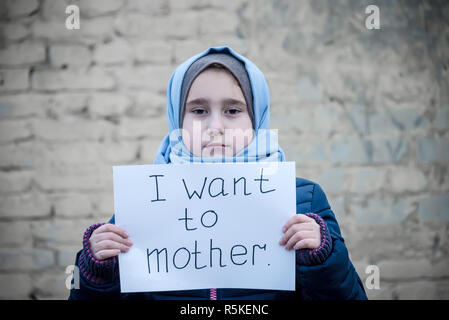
(226, 101)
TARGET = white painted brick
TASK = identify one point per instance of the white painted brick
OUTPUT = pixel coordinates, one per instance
(72, 79)
(13, 80)
(60, 232)
(107, 104)
(99, 7)
(15, 234)
(72, 205)
(116, 51)
(23, 54)
(21, 7)
(15, 286)
(73, 56)
(11, 131)
(15, 181)
(25, 259)
(407, 179)
(27, 205)
(15, 31)
(152, 52)
(367, 180)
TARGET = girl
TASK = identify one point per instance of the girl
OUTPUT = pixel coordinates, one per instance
(218, 110)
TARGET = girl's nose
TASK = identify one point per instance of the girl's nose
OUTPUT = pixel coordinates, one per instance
(215, 125)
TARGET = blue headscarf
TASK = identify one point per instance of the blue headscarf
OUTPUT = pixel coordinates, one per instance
(263, 147)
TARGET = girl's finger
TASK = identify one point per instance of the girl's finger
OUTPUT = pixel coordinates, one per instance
(307, 226)
(307, 244)
(109, 227)
(297, 237)
(105, 254)
(297, 218)
(111, 245)
(112, 236)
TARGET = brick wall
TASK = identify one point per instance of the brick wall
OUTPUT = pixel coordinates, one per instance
(363, 112)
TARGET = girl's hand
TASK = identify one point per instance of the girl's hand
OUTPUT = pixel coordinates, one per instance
(108, 241)
(301, 232)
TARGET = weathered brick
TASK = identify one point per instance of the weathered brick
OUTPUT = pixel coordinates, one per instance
(99, 7)
(442, 119)
(117, 51)
(13, 80)
(149, 77)
(433, 149)
(73, 56)
(412, 269)
(147, 104)
(55, 9)
(27, 205)
(108, 104)
(97, 28)
(15, 181)
(119, 153)
(367, 180)
(23, 54)
(21, 7)
(79, 177)
(51, 285)
(308, 89)
(186, 48)
(418, 290)
(217, 22)
(71, 129)
(348, 150)
(152, 52)
(72, 205)
(407, 179)
(60, 232)
(292, 120)
(15, 234)
(66, 255)
(308, 151)
(51, 80)
(15, 286)
(386, 150)
(25, 259)
(135, 24)
(434, 208)
(12, 155)
(326, 118)
(15, 31)
(153, 8)
(380, 211)
(11, 131)
(332, 180)
(138, 128)
(21, 105)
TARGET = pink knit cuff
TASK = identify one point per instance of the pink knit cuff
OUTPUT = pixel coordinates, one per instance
(94, 270)
(316, 256)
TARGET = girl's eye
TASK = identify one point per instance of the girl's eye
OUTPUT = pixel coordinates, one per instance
(199, 111)
(233, 111)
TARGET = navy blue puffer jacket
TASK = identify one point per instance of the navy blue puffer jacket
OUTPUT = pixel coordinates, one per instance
(335, 278)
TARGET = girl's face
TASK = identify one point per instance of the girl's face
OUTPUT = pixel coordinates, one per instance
(216, 121)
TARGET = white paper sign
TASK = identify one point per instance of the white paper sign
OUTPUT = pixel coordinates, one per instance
(198, 226)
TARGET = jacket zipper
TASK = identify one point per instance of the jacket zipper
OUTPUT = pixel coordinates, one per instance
(213, 294)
